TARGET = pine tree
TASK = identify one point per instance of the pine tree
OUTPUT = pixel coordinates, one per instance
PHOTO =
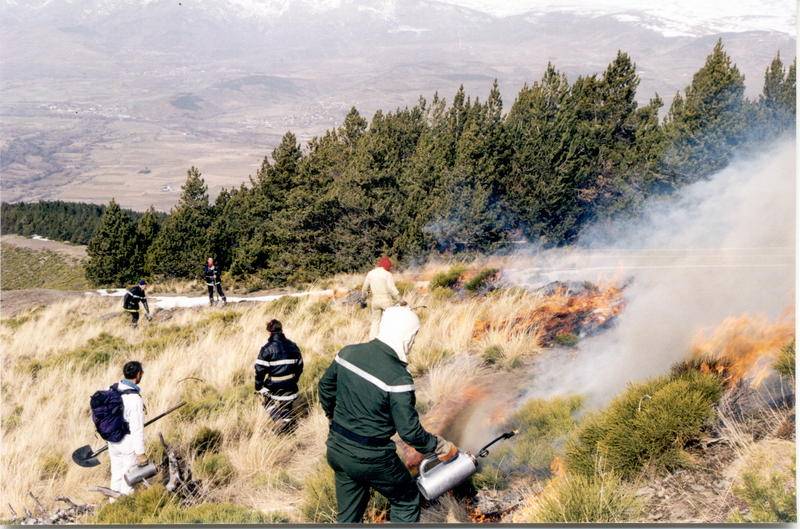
(181, 247)
(146, 232)
(708, 123)
(112, 249)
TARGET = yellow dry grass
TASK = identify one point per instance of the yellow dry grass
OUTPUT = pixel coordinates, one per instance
(46, 386)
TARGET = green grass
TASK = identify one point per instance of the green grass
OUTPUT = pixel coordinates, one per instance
(543, 427)
(26, 268)
(768, 499)
(155, 505)
(313, 370)
(206, 440)
(52, 466)
(566, 339)
(649, 424)
(448, 279)
(493, 354)
(481, 279)
(215, 469)
(603, 498)
(96, 352)
(785, 365)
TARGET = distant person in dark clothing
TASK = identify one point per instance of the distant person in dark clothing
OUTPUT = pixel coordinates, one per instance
(213, 277)
(278, 368)
(130, 303)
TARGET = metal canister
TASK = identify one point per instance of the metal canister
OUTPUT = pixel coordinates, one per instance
(444, 476)
(137, 474)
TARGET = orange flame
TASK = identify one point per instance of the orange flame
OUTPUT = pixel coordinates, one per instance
(561, 314)
(742, 347)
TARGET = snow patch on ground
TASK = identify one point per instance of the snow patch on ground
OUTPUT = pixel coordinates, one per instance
(173, 302)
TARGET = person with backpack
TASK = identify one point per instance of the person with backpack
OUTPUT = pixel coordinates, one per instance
(278, 368)
(213, 277)
(118, 415)
(130, 303)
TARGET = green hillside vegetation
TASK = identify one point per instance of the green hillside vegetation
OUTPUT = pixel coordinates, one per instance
(75, 222)
(26, 268)
(454, 177)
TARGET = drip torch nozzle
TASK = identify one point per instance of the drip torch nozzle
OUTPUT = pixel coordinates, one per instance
(483, 452)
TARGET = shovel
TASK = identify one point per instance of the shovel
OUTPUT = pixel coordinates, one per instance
(85, 457)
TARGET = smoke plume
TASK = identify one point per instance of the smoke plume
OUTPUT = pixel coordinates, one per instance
(719, 248)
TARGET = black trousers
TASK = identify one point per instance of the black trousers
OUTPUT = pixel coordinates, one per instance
(134, 316)
(219, 291)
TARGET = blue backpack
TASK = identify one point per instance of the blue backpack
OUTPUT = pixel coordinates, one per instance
(108, 413)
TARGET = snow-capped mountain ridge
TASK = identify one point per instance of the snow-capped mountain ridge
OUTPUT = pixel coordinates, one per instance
(668, 17)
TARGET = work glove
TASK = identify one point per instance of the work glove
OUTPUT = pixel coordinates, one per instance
(148, 316)
(445, 450)
(264, 391)
(141, 460)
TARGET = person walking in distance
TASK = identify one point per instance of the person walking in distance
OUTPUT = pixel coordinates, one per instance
(131, 300)
(278, 369)
(213, 277)
(380, 284)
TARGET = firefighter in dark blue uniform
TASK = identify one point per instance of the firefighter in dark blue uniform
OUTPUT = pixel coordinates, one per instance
(278, 369)
(130, 303)
(213, 276)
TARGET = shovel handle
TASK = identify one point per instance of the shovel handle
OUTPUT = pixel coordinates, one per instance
(151, 421)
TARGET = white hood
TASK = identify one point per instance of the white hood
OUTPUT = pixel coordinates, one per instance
(399, 326)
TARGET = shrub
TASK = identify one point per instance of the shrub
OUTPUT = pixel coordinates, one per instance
(566, 339)
(155, 505)
(542, 425)
(52, 466)
(785, 365)
(648, 424)
(13, 419)
(284, 305)
(318, 308)
(97, 352)
(206, 440)
(492, 354)
(404, 287)
(766, 484)
(448, 279)
(481, 280)
(215, 469)
(602, 498)
(490, 477)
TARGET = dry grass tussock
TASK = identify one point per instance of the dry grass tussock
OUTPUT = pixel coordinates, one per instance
(56, 358)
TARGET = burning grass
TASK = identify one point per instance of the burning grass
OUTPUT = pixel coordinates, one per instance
(562, 316)
(744, 347)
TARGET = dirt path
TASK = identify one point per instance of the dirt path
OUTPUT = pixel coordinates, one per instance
(76, 251)
(15, 301)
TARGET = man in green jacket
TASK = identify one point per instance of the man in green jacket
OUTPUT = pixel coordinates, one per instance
(368, 394)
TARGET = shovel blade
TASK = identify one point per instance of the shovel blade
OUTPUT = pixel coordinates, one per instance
(85, 457)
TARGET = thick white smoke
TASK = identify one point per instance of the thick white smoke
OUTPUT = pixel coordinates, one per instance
(721, 247)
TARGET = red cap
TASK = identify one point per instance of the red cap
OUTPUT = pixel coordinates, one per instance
(385, 263)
